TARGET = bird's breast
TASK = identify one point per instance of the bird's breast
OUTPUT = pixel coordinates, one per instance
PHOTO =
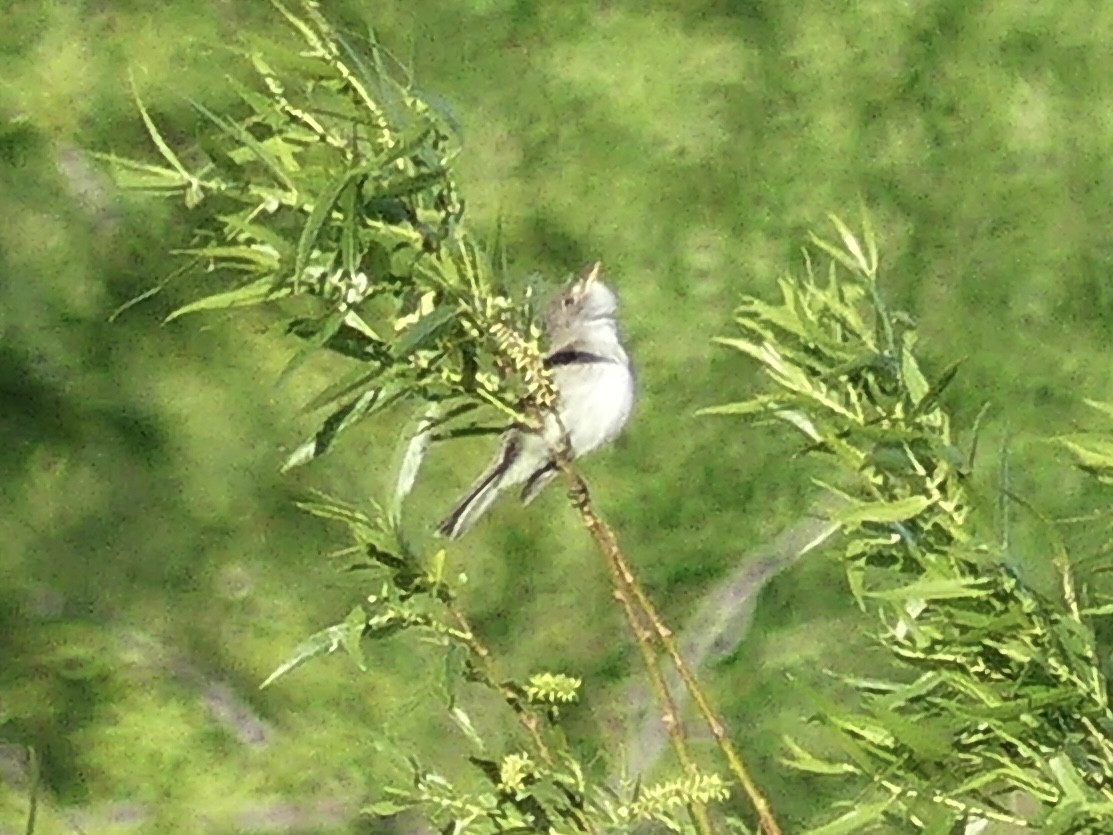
(595, 402)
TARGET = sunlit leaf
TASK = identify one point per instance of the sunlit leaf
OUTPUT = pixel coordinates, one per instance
(464, 723)
(257, 292)
(351, 635)
(163, 147)
(418, 335)
(855, 822)
(241, 134)
(837, 254)
(322, 208)
(412, 457)
(321, 441)
(1091, 451)
(911, 375)
(802, 760)
(894, 511)
(325, 642)
(1106, 408)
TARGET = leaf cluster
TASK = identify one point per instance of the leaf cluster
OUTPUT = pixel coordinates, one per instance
(541, 787)
(332, 190)
(997, 691)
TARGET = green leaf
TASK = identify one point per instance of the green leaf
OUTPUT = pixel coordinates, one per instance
(1104, 407)
(343, 418)
(351, 635)
(143, 177)
(464, 723)
(837, 254)
(422, 331)
(941, 821)
(1092, 451)
(241, 134)
(759, 405)
(407, 186)
(334, 511)
(803, 760)
(938, 387)
(355, 381)
(943, 588)
(260, 234)
(758, 352)
(1068, 779)
(929, 738)
(911, 375)
(265, 107)
(895, 511)
(412, 457)
(323, 331)
(850, 241)
(387, 807)
(325, 642)
(160, 143)
(257, 292)
(870, 237)
(317, 217)
(254, 258)
(321, 441)
(351, 252)
(854, 822)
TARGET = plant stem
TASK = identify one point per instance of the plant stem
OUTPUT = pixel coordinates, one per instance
(527, 717)
(629, 592)
(644, 640)
(734, 761)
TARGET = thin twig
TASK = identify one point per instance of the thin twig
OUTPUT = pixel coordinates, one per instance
(626, 585)
(722, 619)
(642, 637)
(525, 715)
(734, 761)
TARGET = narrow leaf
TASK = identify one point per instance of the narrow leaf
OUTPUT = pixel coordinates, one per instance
(421, 332)
(156, 137)
(1092, 451)
(835, 253)
(317, 217)
(321, 440)
(854, 822)
(803, 760)
(325, 642)
(324, 330)
(348, 385)
(1103, 407)
(936, 589)
(350, 637)
(239, 133)
(850, 241)
(896, 511)
(254, 293)
(412, 457)
(759, 405)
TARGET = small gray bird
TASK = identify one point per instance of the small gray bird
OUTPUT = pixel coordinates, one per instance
(595, 386)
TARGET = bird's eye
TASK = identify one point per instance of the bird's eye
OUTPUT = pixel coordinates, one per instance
(567, 302)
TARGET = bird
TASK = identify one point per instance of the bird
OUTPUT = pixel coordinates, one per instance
(594, 381)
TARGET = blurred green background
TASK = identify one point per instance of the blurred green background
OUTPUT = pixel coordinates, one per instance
(153, 569)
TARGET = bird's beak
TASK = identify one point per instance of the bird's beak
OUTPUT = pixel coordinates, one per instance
(592, 275)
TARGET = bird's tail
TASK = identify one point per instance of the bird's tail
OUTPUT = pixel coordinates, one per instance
(480, 496)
